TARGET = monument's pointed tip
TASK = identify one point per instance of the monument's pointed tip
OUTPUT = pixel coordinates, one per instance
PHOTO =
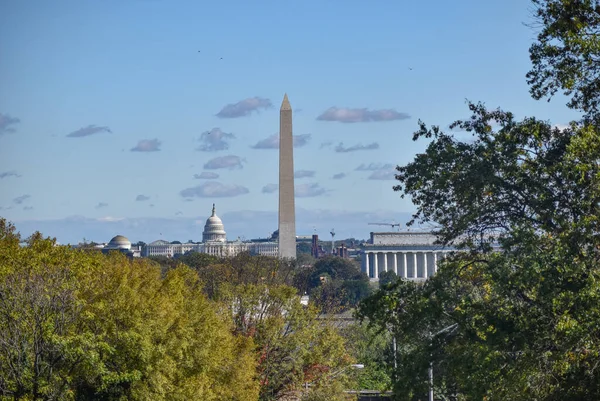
(285, 105)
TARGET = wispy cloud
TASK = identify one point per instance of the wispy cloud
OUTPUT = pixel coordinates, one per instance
(7, 174)
(214, 189)
(231, 162)
(374, 166)
(206, 175)
(304, 173)
(325, 145)
(178, 213)
(379, 171)
(341, 149)
(87, 131)
(27, 207)
(101, 205)
(147, 145)
(20, 199)
(272, 142)
(110, 219)
(7, 124)
(348, 115)
(269, 188)
(244, 107)
(309, 190)
(141, 198)
(214, 140)
(383, 174)
(241, 222)
(339, 176)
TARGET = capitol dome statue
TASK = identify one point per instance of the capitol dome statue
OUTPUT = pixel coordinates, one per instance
(214, 231)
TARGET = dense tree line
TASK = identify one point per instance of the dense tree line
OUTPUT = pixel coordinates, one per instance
(515, 315)
(76, 324)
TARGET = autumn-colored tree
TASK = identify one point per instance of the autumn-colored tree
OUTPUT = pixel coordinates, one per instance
(79, 325)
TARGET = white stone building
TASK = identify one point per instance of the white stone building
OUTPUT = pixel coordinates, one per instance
(411, 255)
(214, 242)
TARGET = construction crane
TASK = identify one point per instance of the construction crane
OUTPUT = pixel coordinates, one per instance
(387, 224)
(332, 232)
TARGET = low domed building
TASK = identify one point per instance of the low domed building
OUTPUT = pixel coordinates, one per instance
(120, 243)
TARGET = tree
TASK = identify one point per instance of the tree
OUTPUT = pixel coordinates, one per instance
(566, 55)
(77, 325)
(526, 174)
(38, 309)
(335, 282)
(337, 268)
(373, 350)
(387, 277)
(515, 315)
(303, 248)
(294, 344)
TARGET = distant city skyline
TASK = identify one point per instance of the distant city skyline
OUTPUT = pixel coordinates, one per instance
(134, 117)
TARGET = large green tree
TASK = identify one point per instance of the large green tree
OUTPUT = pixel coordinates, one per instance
(78, 325)
(566, 55)
(516, 312)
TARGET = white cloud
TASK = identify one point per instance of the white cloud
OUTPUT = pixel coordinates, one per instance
(20, 199)
(383, 174)
(269, 188)
(341, 149)
(87, 131)
(244, 107)
(272, 142)
(304, 174)
(230, 162)
(348, 115)
(309, 190)
(214, 140)
(374, 166)
(147, 145)
(247, 223)
(214, 189)
(7, 174)
(206, 175)
(6, 123)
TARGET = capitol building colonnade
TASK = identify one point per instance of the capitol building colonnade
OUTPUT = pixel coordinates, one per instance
(411, 255)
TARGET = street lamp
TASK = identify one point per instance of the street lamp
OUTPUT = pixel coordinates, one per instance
(448, 329)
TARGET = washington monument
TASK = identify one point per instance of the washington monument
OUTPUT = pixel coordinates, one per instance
(287, 209)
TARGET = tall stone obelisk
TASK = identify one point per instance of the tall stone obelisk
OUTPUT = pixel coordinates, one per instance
(287, 209)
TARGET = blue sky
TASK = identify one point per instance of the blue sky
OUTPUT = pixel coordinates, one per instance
(111, 110)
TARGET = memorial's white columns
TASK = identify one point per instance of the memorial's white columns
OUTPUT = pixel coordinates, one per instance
(375, 265)
(405, 263)
(414, 265)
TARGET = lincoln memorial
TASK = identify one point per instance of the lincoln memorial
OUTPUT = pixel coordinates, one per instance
(411, 255)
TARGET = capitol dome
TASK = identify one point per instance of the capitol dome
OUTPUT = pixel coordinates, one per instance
(214, 231)
(119, 242)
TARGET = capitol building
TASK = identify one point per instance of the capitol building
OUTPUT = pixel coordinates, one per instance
(214, 242)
